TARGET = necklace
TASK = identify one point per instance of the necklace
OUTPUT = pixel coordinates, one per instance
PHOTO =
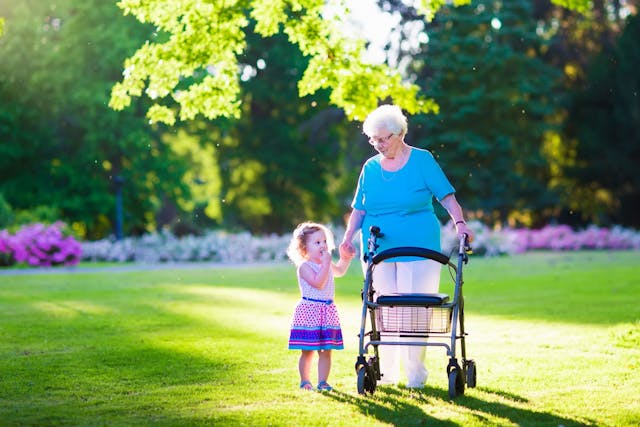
(400, 164)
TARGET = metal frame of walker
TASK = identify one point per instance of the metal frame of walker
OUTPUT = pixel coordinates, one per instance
(368, 370)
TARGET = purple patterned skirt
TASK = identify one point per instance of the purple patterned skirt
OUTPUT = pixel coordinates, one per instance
(315, 326)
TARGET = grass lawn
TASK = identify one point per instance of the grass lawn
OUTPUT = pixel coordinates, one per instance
(556, 339)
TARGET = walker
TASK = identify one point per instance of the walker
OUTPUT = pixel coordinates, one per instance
(400, 316)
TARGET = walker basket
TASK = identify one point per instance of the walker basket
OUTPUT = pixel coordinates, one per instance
(413, 320)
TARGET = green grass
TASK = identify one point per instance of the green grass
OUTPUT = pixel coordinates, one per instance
(556, 339)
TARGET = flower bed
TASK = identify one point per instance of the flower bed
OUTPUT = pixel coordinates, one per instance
(215, 246)
(552, 237)
(39, 245)
(219, 246)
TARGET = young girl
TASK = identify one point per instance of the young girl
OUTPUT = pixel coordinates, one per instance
(315, 325)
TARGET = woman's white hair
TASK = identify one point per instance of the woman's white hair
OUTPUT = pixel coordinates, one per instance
(387, 117)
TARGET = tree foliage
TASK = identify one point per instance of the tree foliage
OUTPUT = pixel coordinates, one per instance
(61, 146)
(263, 96)
(483, 67)
(278, 158)
(575, 157)
(604, 118)
(194, 67)
(204, 39)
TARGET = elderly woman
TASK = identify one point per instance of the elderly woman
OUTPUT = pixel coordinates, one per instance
(395, 192)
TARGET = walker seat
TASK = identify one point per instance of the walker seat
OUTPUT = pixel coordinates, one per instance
(412, 300)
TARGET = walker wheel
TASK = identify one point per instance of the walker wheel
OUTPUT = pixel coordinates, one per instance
(366, 383)
(471, 373)
(370, 380)
(456, 383)
(362, 374)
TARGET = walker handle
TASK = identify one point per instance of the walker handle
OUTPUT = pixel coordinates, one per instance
(464, 248)
(375, 231)
(411, 251)
(372, 243)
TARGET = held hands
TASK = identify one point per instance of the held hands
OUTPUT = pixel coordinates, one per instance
(347, 251)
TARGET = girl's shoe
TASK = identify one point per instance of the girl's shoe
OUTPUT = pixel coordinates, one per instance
(324, 386)
(306, 385)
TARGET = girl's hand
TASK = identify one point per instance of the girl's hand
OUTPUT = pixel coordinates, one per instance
(326, 257)
(347, 251)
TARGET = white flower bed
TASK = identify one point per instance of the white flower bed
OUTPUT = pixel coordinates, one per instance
(216, 246)
(224, 247)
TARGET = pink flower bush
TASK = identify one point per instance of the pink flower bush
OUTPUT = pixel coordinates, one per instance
(40, 245)
(6, 253)
(563, 238)
(491, 242)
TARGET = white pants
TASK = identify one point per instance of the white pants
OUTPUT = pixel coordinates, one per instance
(405, 277)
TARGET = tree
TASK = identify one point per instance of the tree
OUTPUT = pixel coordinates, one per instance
(482, 65)
(278, 157)
(575, 154)
(61, 146)
(604, 118)
(195, 64)
(203, 40)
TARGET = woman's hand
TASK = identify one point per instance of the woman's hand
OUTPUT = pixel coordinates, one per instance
(463, 229)
(353, 223)
(347, 251)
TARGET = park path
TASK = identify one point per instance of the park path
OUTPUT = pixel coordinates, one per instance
(133, 267)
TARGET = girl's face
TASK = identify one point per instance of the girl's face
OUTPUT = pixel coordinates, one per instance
(316, 246)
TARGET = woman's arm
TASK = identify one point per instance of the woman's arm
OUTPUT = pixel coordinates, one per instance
(353, 225)
(450, 203)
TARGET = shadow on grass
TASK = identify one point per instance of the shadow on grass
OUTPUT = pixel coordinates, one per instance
(117, 348)
(70, 359)
(402, 406)
(387, 406)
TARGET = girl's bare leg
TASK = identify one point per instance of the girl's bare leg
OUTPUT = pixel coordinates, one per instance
(304, 364)
(324, 365)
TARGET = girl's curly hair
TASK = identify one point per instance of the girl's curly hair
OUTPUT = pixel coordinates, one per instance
(297, 250)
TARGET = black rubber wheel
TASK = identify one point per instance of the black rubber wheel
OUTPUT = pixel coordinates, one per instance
(362, 379)
(456, 383)
(471, 373)
(370, 380)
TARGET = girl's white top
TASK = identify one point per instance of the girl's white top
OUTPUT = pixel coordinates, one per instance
(308, 291)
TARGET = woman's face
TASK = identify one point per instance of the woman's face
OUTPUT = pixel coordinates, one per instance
(386, 142)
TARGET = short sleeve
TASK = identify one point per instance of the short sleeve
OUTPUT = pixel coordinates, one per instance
(435, 177)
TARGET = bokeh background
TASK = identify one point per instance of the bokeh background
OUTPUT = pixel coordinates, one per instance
(538, 123)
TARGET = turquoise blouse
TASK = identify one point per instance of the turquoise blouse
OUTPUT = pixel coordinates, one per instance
(401, 202)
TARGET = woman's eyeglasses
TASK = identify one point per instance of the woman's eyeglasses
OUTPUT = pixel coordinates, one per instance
(373, 140)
